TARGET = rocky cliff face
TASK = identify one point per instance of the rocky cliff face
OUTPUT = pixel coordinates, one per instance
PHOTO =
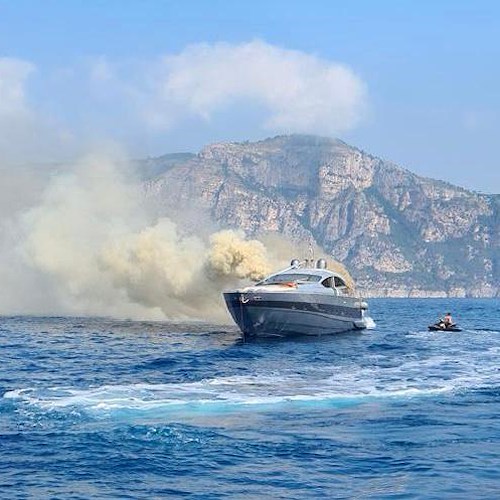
(399, 234)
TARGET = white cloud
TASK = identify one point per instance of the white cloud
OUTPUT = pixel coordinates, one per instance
(293, 91)
(26, 132)
(204, 93)
(16, 118)
(300, 92)
(13, 76)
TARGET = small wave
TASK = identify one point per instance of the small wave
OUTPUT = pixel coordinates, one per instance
(483, 330)
(219, 393)
(379, 375)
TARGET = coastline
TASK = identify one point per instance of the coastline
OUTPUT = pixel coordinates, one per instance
(413, 293)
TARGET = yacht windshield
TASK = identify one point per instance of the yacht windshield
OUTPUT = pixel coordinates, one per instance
(287, 278)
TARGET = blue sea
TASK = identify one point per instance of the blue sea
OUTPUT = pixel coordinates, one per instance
(103, 408)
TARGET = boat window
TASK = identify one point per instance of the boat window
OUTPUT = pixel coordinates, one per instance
(286, 278)
(328, 282)
(339, 282)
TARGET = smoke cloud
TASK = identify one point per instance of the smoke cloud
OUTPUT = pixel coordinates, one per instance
(79, 239)
(94, 247)
(90, 245)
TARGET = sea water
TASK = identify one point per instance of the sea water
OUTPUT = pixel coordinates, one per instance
(101, 408)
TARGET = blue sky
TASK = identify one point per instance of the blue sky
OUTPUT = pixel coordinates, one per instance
(413, 82)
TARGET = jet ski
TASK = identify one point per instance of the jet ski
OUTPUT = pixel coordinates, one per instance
(441, 327)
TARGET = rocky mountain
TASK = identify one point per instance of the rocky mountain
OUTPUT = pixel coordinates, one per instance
(400, 234)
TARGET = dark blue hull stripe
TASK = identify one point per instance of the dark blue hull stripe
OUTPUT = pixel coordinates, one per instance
(331, 310)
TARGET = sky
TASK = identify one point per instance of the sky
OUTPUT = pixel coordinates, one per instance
(417, 83)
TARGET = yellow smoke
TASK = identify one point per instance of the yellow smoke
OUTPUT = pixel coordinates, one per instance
(231, 255)
(97, 250)
(103, 254)
(182, 276)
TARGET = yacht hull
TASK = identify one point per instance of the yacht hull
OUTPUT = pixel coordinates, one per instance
(286, 314)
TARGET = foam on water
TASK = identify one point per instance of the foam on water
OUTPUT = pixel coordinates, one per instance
(330, 384)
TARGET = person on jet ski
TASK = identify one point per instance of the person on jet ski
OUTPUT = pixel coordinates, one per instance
(447, 321)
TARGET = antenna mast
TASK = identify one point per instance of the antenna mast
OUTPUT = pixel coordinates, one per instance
(311, 253)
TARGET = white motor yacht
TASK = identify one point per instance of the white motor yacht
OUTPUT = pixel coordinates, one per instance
(304, 299)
